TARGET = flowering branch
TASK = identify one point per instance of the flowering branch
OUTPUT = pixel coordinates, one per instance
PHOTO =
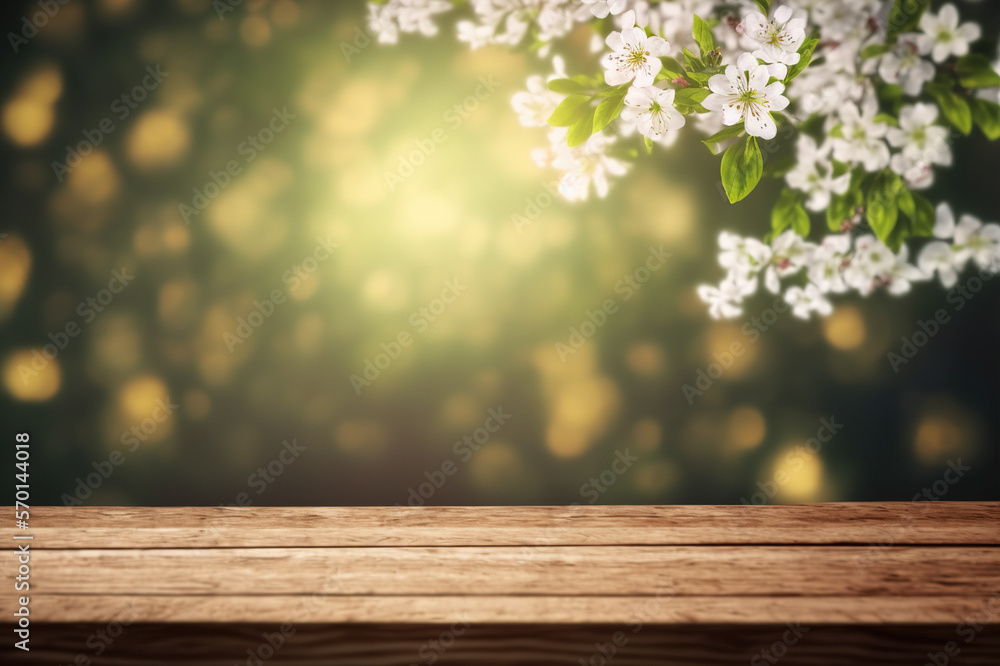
(872, 91)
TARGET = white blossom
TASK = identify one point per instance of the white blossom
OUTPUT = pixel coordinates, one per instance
(601, 8)
(943, 36)
(856, 126)
(905, 66)
(805, 301)
(813, 174)
(724, 300)
(743, 94)
(652, 110)
(586, 165)
(862, 137)
(634, 55)
(778, 40)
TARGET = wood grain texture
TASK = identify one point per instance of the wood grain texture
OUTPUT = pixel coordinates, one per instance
(501, 645)
(543, 570)
(935, 563)
(445, 610)
(899, 523)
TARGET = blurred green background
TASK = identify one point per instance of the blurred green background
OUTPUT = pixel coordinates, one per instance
(146, 404)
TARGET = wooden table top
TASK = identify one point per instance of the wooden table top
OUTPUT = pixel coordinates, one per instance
(872, 564)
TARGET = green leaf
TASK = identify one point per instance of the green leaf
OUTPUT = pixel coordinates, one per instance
(905, 16)
(674, 68)
(841, 209)
(581, 130)
(610, 91)
(954, 108)
(691, 95)
(875, 50)
(882, 207)
(566, 86)
(976, 71)
(923, 219)
(703, 36)
(649, 144)
(688, 100)
(765, 6)
(726, 133)
(844, 206)
(888, 119)
(987, 117)
(742, 167)
(907, 204)
(697, 78)
(570, 110)
(608, 110)
(899, 234)
(693, 62)
(789, 212)
(805, 57)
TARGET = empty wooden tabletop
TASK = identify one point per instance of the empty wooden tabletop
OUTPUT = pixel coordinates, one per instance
(886, 563)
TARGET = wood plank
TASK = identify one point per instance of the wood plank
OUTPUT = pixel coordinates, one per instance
(902, 523)
(500, 645)
(541, 570)
(813, 610)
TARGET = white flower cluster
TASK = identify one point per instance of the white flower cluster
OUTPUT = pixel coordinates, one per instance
(836, 88)
(747, 68)
(389, 19)
(841, 263)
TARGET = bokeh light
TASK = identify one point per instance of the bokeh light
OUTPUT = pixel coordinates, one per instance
(32, 375)
(273, 266)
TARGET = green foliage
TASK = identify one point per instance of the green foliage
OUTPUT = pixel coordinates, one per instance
(805, 57)
(905, 16)
(693, 62)
(922, 221)
(726, 133)
(765, 6)
(917, 220)
(875, 50)
(672, 68)
(843, 207)
(742, 167)
(888, 119)
(976, 71)
(788, 212)
(986, 115)
(688, 100)
(703, 37)
(883, 203)
(609, 109)
(581, 130)
(570, 110)
(577, 111)
(954, 107)
(566, 86)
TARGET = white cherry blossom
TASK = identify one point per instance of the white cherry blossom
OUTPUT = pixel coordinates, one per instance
(813, 174)
(652, 110)
(778, 40)
(944, 37)
(601, 8)
(724, 300)
(905, 66)
(634, 56)
(805, 301)
(743, 94)
(919, 137)
(862, 137)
